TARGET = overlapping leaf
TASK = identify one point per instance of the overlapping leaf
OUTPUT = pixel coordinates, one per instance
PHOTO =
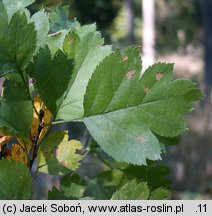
(41, 23)
(15, 111)
(132, 191)
(57, 155)
(15, 180)
(71, 188)
(104, 184)
(41, 115)
(17, 42)
(59, 19)
(19, 154)
(88, 53)
(160, 194)
(123, 112)
(52, 77)
(14, 6)
(148, 173)
(62, 82)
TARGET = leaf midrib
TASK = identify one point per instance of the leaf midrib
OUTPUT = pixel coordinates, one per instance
(132, 107)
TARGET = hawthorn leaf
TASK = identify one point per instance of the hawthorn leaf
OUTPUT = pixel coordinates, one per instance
(14, 6)
(59, 19)
(15, 180)
(72, 105)
(6, 69)
(132, 191)
(41, 22)
(103, 185)
(66, 154)
(15, 111)
(19, 154)
(156, 176)
(3, 21)
(55, 40)
(52, 77)
(64, 92)
(85, 30)
(17, 43)
(160, 194)
(48, 159)
(71, 188)
(123, 112)
(88, 53)
(70, 44)
(46, 119)
(34, 131)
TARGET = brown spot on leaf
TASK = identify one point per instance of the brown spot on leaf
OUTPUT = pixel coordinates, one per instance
(130, 74)
(55, 34)
(141, 139)
(146, 90)
(125, 58)
(159, 76)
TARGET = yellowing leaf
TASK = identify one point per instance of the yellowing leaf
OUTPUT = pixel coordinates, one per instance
(25, 144)
(36, 120)
(57, 155)
(66, 153)
(46, 120)
(18, 154)
(41, 115)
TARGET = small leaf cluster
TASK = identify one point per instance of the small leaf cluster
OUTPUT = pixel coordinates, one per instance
(69, 75)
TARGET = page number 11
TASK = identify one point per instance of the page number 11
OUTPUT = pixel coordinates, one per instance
(202, 208)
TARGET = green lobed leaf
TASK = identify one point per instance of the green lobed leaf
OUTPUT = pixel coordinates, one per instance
(17, 42)
(13, 6)
(15, 180)
(132, 191)
(160, 194)
(65, 100)
(57, 155)
(41, 22)
(52, 77)
(59, 19)
(123, 111)
(3, 21)
(55, 40)
(104, 184)
(86, 59)
(71, 188)
(66, 154)
(155, 175)
(86, 30)
(15, 110)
